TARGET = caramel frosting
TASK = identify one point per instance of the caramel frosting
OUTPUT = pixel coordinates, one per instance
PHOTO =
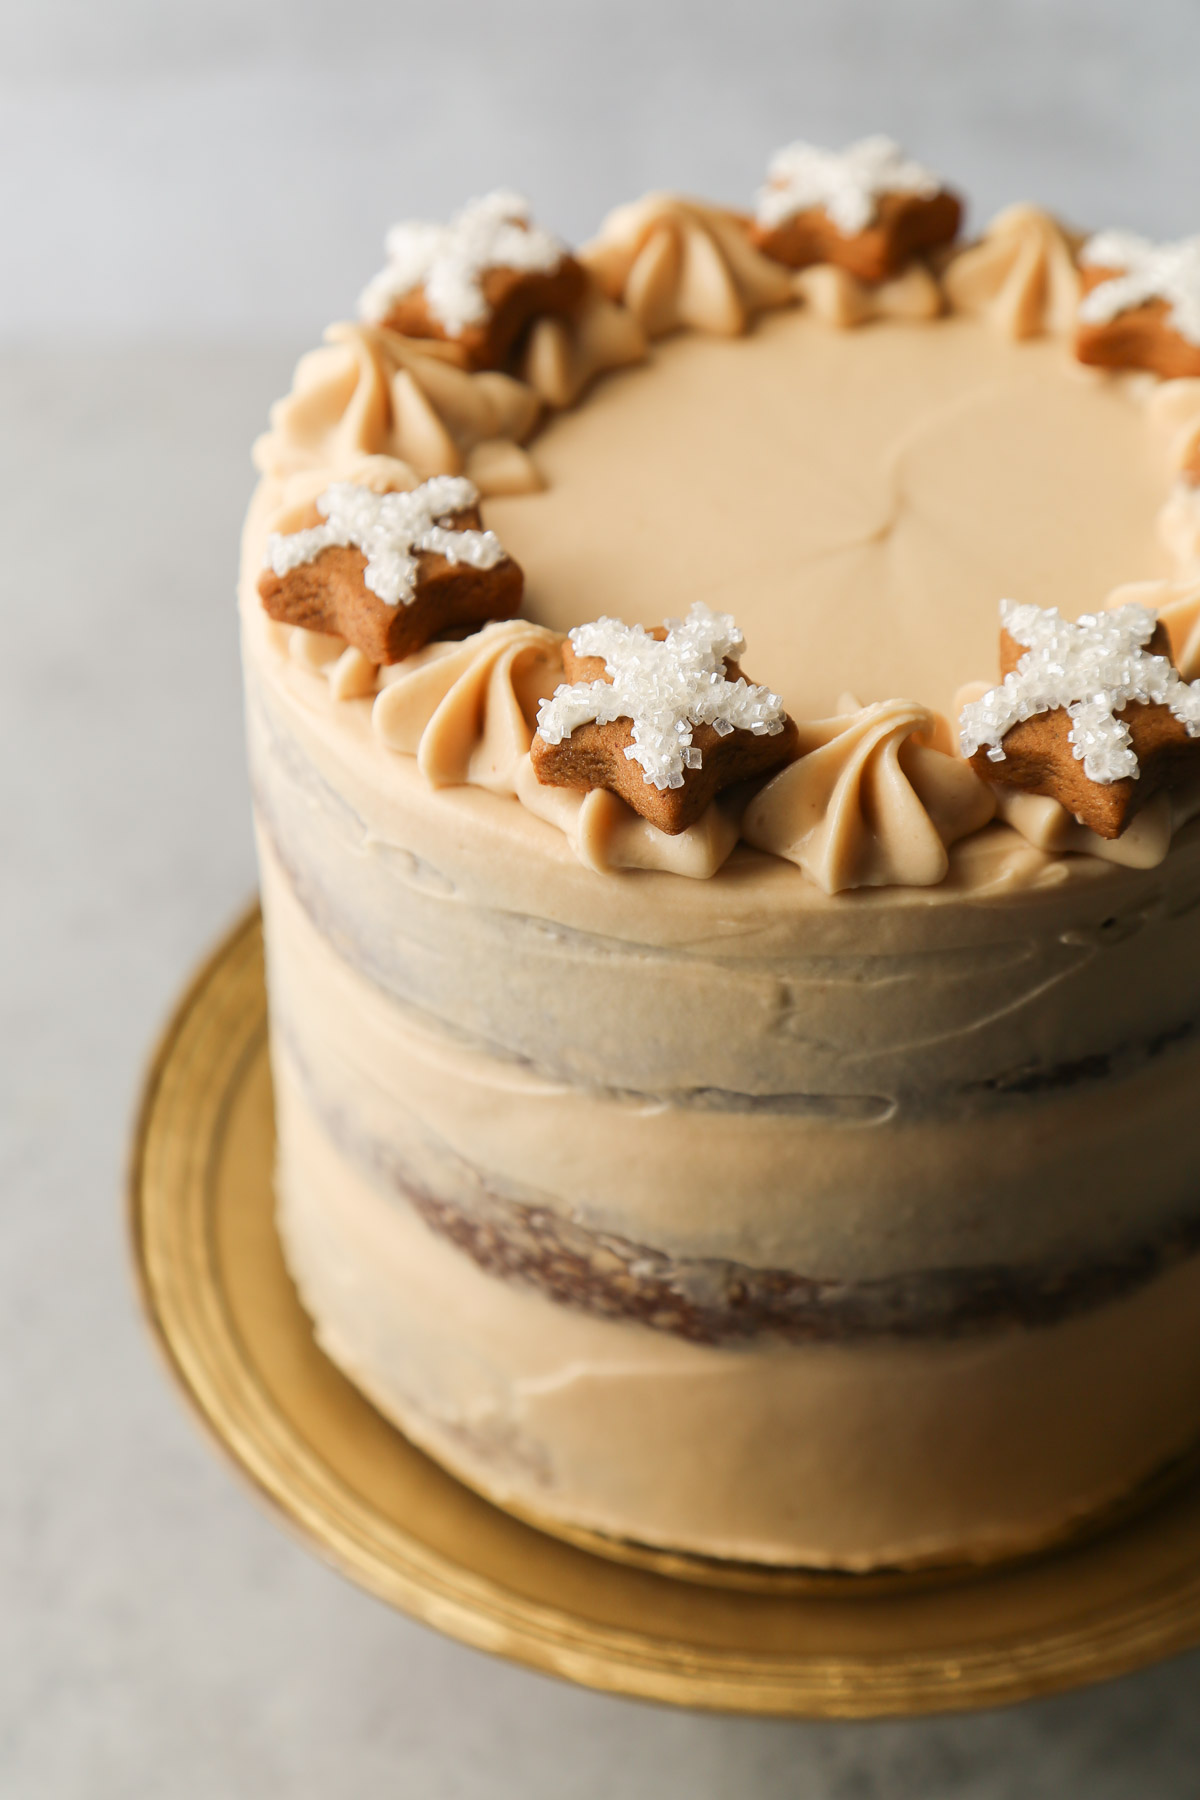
(464, 709)
(1173, 408)
(1143, 844)
(1022, 276)
(1179, 524)
(874, 800)
(350, 674)
(564, 356)
(951, 425)
(876, 1453)
(466, 713)
(368, 392)
(607, 835)
(390, 1124)
(674, 262)
(865, 498)
(837, 297)
(1177, 605)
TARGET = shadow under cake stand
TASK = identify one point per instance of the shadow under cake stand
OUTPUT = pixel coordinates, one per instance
(219, 1301)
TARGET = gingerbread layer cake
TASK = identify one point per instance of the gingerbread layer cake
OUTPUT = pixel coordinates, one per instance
(736, 1078)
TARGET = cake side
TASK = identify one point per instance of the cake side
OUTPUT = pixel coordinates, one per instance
(837, 1204)
(801, 1230)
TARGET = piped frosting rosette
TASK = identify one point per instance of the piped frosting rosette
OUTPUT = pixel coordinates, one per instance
(464, 709)
(564, 355)
(369, 392)
(467, 712)
(674, 263)
(1021, 276)
(874, 799)
(838, 298)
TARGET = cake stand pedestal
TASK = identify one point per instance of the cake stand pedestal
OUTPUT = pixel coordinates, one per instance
(225, 1315)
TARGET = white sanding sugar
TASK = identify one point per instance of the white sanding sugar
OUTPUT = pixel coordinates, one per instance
(1169, 272)
(450, 261)
(666, 688)
(1092, 668)
(846, 184)
(391, 530)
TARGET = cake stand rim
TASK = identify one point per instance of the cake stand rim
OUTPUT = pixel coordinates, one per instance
(480, 1611)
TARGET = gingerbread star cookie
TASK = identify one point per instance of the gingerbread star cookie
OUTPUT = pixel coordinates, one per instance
(868, 209)
(664, 718)
(1141, 304)
(388, 572)
(476, 283)
(1092, 713)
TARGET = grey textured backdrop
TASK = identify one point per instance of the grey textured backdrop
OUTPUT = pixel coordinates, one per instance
(216, 178)
(226, 168)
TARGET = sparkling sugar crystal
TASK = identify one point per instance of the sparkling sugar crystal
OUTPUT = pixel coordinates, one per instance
(1092, 669)
(391, 530)
(666, 688)
(450, 261)
(846, 184)
(1169, 272)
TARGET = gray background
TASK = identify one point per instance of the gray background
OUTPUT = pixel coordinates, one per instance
(187, 192)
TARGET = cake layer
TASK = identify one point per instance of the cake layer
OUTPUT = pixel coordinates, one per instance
(454, 900)
(951, 1201)
(876, 1452)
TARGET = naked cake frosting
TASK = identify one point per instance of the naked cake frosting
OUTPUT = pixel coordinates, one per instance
(724, 721)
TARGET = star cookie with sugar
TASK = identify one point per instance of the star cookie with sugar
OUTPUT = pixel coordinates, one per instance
(1141, 304)
(869, 209)
(475, 283)
(1092, 713)
(388, 572)
(664, 718)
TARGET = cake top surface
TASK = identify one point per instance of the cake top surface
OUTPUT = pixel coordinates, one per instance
(1017, 420)
(860, 501)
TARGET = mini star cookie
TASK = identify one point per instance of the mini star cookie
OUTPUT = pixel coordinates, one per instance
(664, 718)
(868, 209)
(476, 283)
(1092, 713)
(388, 572)
(1141, 304)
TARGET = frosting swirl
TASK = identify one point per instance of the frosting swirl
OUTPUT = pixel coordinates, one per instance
(466, 710)
(874, 799)
(675, 263)
(1021, 275)
(369, 392)
(564, 355)
(837, 297)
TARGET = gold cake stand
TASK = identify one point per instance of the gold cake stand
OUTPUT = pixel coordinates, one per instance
(220, 1304)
